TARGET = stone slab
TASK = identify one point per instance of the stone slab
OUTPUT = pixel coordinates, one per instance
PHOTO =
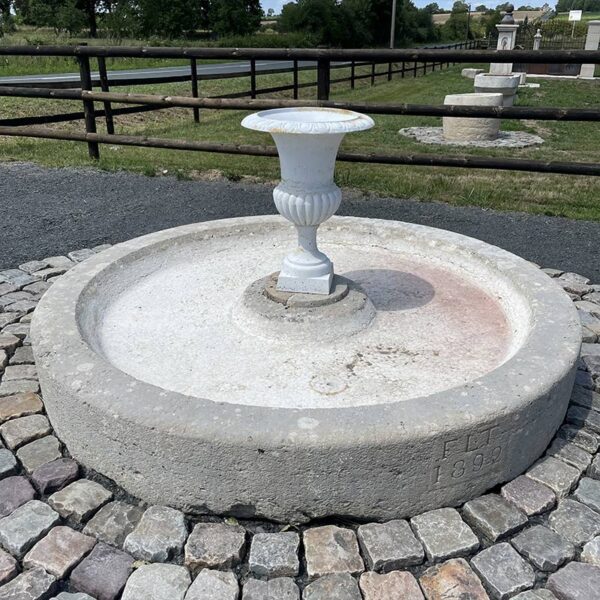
(529, 496)
(331, 549)
(390, 546)
(25, 526)
(214, 546)
(59, 552)
(103, 573)
(159, 536)
(157, 582)
(444, 534)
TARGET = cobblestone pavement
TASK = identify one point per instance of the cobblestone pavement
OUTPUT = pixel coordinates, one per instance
(69, 534)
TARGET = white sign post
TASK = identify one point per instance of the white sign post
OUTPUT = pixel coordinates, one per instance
(574, 15)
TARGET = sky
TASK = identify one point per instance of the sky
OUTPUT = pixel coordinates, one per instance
(277, 4)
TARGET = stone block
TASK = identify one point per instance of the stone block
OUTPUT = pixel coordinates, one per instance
(591, 552)
(570, 453)
(17, 372)
(330, 549)
(214, 585)
(587, 440)
(70, 596)
(17, 277)
(529, 496)
(80, 255)
(575, 581)
(103, 573)
(556, 474)
(583, 396)
(21, 405)
(535, 595)
(214, 546)
(462, 129)
(10, 388)
(336, 586)
(55, 475)
(275, 554)
(544, 548)
(14, 492)
(398, 584)
(471, 73)
(503, 571)
(8, 463)
(23, 356)
(444, 534)
(452, 580)
(575, 522)
(282, 588)
(157, 582)
(59, 262)
(61, 550)
(9, 342)
(588, 493)
(25, 526)
(31, 585)
(493, 516)
(593, 470)
(8, 567)
(390, 546)
(79, 500)
(20, 431)
(38, 453)
(159, 536)
(584, 417)
(114, 522)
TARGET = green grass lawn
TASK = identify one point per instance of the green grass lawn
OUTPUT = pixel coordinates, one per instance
(571, 196)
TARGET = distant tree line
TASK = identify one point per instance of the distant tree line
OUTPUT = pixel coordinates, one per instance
(140, 18)
(587, 5)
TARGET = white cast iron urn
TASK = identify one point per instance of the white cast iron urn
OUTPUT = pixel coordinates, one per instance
(307, 140)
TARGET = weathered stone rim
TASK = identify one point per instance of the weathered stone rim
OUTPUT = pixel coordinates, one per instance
(552, 348)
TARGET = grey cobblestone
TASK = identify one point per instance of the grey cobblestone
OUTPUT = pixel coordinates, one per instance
(503, 571)
(390, 546)
(571, 454)
(529, 496)
(452, 580)
(8, 567)
(575, 522)
(214, 546)
(493, 516)
(575, 581)
(8, 463)
(398, 584)
(157, 582)
(20, 405)
(587, 440)
(22, 356)
(282, 588)
(159, 536)
(275, 554)
(18, 372)
(25, 526)
(556, 474)
(337, 586)
(14, 492)
(594, 469)
(536, 595)
(586, 397)
(53, 476)
(79, 500)
(38, 453)
(331, 549)
(544, 548)
(20, 431)
(591, 552)
(114, 522)
(214, 585)
(588, 493)
(31, 585)
(444, 534)
(10, 388)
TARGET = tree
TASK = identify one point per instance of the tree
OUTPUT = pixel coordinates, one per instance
(433, 8)
(481, 8)
(6, 18)
(235, 17)
(271, 13)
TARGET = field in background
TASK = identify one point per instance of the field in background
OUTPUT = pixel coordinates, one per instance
(571, 196)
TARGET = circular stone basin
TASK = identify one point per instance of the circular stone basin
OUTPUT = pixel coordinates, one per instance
(445, 369)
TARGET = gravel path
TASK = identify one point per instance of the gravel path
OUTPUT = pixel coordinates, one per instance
(47, 212)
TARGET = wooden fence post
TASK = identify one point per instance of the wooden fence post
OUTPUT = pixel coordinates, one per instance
(389, 71)
(403, 69)
(85, 75)
(323, 79)
(295, 80)
(194, 70)
(253, 78)
(352, 74)
(373, 73)
(110, 124)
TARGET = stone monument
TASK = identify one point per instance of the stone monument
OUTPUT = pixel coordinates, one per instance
(507, 39)
(471, 129)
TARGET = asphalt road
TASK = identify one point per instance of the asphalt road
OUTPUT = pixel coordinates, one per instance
(133, 76)
(44, 212)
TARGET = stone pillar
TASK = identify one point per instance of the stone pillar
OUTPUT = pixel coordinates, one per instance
(592, 42)
(507, 38)
(464, 129)
(537, 40)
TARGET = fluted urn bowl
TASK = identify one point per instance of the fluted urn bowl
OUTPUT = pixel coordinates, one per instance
(307, 140)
